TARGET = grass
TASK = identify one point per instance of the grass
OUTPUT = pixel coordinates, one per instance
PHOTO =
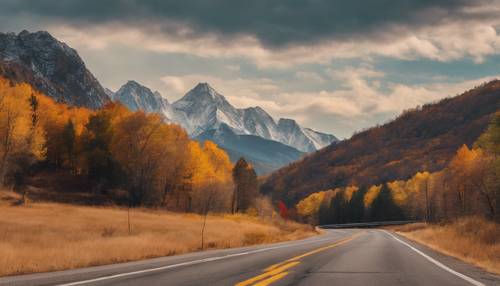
(43, 237)
(473, 240)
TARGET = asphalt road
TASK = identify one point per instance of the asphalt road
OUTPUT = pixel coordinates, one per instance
(340, 257)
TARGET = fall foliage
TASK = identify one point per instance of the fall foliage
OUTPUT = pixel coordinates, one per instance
(152, 162)
(421, 139)
(469, 185)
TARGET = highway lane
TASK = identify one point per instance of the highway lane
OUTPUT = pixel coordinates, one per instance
(339, 257)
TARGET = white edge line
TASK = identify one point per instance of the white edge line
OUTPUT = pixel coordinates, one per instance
(187, 263)
(441, 265)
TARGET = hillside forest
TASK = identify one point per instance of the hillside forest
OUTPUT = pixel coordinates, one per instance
(136, 159)
(127, 157)
(468, 186)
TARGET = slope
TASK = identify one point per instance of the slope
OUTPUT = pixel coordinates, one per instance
(421, 139)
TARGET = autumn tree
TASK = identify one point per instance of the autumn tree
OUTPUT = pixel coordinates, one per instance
(246, 186)
(489, 186)
(100, 165)
(21, 142)
(462, 167)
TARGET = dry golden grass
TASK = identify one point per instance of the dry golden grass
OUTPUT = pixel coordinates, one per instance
(474, 240)
(46, 237)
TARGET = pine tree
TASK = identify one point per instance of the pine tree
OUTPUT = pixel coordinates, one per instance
(246, 186)
(384, 208)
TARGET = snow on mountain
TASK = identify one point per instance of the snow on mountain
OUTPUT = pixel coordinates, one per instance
(319, 139)
(138, 97)
(51, 67)
(203, 109)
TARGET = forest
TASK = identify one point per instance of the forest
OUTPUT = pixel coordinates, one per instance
(132, 158)
(137, 159)
(424, 138)
(468, 186)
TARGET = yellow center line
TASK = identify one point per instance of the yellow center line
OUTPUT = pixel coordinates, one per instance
(277, 271)
(271, 279)
(343, 241)
(267, 274)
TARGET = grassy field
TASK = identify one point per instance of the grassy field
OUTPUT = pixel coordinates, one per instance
(474, 240)
(46, 236)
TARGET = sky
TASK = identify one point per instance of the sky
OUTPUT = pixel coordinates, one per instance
(335, 66)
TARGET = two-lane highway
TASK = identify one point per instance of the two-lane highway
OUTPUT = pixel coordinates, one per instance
(340, 257)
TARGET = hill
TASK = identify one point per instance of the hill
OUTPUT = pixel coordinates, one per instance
(425, 138)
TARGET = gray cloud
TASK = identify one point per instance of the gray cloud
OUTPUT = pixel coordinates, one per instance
(276, 23)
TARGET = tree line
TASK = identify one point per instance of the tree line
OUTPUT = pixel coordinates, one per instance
(469, 185)
(133, 157)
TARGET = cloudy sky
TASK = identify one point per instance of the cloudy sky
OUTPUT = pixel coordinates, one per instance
(334, 65)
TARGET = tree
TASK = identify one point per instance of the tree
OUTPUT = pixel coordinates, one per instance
(462, 167)
(69, 141)
(100, 164)
(356, 206)
(384, 208)
(246, 186)
(489, 141)
(338, 208)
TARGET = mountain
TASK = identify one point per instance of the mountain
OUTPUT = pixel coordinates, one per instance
(138, 97)
(57, 70)
(203, 109)
(51, 67)
(425, 138)
(265, 155)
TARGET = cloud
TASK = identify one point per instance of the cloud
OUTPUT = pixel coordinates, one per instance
(277, 34)
(358, 103)
(274, 23)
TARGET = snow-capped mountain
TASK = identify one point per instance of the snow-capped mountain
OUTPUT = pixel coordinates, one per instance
(203, 109)
(138, 97)
(50, 66)
(58, 71)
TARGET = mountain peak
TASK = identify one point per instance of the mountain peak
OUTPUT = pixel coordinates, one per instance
(51, 66)
(203, 92)
(287, 122)
(133, 83)
(205, 88)
(139, 97)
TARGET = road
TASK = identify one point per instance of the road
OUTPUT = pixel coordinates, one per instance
(339, 257)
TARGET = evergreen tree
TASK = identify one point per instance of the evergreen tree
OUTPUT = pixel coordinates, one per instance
(69, 136)
(356, 206)
(338, 208)
(246, 186)
(384, 208)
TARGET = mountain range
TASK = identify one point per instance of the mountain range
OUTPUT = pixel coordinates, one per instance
(207, 115)
(57, 70)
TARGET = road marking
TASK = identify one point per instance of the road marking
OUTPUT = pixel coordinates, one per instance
(345, 240)
(439, 264)
(193, 262)
(277, 271)
(273, 272)
(272, 279)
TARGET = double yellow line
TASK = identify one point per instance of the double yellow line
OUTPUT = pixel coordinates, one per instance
(278, 271)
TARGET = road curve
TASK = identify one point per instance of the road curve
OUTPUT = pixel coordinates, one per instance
(340, 257)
